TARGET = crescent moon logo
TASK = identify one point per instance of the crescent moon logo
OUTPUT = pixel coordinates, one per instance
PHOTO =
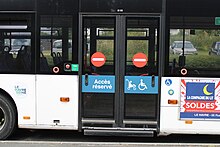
(206, 92)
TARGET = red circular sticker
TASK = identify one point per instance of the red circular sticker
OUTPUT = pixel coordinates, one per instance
(140, 60)
(56, 69)
(98, 59)
(183, 71)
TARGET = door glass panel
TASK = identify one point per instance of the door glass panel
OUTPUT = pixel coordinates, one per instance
(142, 35)
(98, 37)
(141, 65)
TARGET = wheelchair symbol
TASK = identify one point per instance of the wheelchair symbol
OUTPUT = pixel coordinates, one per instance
(142, 86)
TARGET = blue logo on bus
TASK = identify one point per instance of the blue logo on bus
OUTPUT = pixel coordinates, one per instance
(20, 90)
(171, 92)
(168, 82)
(200, 91)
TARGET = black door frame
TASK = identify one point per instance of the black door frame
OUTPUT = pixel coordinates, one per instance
(120, 28)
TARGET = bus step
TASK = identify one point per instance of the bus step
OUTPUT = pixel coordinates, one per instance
(111, 132)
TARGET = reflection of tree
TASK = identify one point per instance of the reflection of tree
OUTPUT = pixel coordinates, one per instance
(136, 46)
(107, 48)
(133, 46)
(212, 32)
(202, 39)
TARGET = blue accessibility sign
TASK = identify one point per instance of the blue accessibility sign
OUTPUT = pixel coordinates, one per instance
(140, 84)
(99, 84)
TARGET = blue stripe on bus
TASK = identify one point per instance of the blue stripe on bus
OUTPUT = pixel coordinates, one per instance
(199, 115)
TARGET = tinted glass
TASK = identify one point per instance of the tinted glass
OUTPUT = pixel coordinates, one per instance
(99, 36)
(16, 42)
(201, 36)
(142, 38)
(55, 42)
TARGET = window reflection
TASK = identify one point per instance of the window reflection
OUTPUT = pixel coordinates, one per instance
(199, 38)
(56, 41)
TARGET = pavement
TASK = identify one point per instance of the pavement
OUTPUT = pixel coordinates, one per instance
(98, 144)
(56, 138)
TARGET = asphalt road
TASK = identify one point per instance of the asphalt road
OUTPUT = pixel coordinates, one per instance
(53, 138)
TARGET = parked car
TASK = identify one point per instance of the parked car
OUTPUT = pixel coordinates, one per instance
(215, 48)
(57, 46)
(17, 43)
(177, 48)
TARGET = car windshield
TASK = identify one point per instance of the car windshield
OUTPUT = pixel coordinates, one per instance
(187, 45)
(58, 44)
(218, 46)
(19, 42)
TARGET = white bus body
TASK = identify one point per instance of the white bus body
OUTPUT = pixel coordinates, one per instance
(170, 121)
(37, 99)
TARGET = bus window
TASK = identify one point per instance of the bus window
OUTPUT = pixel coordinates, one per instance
(196, 39)
(16, 44)
(55, 42)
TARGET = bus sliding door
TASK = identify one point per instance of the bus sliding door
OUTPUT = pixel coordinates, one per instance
(141, 72)
(119, 82)
(98, 73)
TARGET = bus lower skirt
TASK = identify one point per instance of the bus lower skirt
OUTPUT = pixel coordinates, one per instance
(131, 133)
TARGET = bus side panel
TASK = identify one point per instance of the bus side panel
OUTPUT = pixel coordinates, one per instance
(171, 124)
(57, 101)
(170, 121)
(22, 90)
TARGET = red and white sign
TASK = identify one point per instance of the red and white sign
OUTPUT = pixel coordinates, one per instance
(200, 99)
(140, 60)
(98, 59)
(200, 106)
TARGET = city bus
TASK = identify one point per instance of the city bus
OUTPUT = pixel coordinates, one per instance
(120, 67)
